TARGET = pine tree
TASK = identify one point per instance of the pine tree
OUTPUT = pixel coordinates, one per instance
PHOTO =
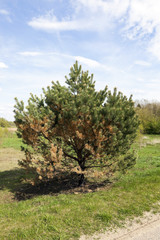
(77, 127)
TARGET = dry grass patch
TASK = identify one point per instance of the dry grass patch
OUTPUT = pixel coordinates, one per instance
(8, 161)
(9, 158)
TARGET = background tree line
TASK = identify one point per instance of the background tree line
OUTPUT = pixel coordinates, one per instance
(149, 115)
(6, 124)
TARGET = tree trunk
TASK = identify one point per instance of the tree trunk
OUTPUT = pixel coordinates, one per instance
(82, 166)
(81, 163)
(81, 180)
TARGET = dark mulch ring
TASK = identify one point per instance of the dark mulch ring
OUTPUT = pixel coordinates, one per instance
(67, 184)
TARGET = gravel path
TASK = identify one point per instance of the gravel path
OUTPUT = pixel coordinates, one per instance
(146, 228)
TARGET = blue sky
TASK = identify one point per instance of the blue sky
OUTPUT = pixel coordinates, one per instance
(116, 40)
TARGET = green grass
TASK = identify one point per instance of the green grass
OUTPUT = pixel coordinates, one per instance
(11, 142)
(69, 216)
(9, 139)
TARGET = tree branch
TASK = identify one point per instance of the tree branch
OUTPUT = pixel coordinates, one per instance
(108, 165)
(70, 156)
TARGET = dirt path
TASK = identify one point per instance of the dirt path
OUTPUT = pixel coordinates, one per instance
(150, 231)
(146, 228)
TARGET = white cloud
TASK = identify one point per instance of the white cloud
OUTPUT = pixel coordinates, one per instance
(143, 17)
(91, 63)
(155, 80)
(143, 21)
(49, 58)
(52, 24)
(114, 8)
(140, 79)
(49, 22)
(33, 54)
(153, 85)
(6, 15)
(3, 65)
(142, 63)
(87, 61)
(43, 23)
(154, 45)
(4, 12)
(91, 15)
(137, 18)
(140, 17)
(138, 91)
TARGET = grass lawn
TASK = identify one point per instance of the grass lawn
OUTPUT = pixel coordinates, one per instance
(9, 139)
(68, 216)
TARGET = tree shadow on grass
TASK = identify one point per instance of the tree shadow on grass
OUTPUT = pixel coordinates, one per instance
(11, 179)
(66, 184)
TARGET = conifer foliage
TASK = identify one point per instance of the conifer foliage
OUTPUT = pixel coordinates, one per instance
(77, 128)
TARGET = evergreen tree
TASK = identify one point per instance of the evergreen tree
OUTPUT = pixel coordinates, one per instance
(77, 127)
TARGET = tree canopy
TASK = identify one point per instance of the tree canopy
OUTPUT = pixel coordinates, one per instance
(77, 127)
